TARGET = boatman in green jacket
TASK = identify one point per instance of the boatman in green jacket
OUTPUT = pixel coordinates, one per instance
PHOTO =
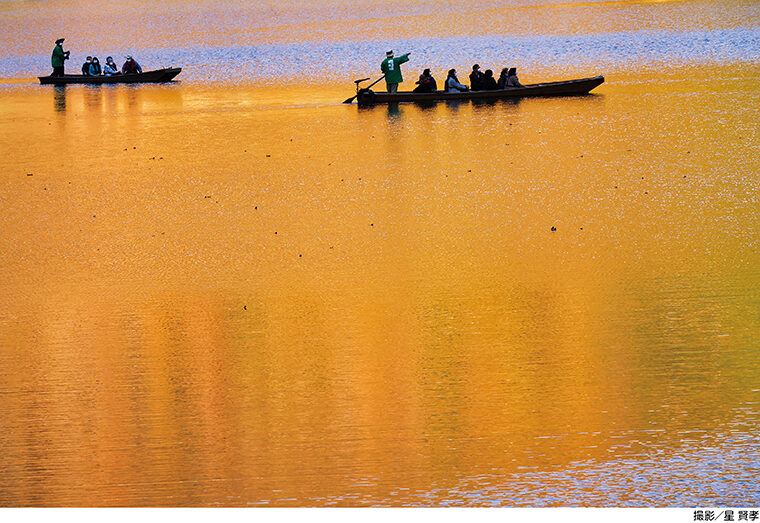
(391, 67)
(59, 56)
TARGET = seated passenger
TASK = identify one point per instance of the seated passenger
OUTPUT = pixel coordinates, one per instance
(452, 83)
(489, 84)
(131, 66)
(95, 67)
(110, 68)
(476, 78)
(427, 83)
(86, 66)
(512, 80)
(502, 84)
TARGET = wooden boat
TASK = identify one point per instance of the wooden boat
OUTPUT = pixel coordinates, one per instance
(582, 86)
(159, 75)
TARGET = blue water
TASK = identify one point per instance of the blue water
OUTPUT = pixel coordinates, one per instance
(586, 54)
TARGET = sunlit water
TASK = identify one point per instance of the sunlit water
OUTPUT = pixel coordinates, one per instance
(330, 41)
(248, 294)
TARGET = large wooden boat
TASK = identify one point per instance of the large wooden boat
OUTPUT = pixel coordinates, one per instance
(159, 75)
(567, 88)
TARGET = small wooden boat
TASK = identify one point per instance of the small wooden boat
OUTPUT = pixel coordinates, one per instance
(159, 75)
(582, 86)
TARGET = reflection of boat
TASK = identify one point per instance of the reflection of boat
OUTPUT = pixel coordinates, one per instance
(566, 88)
(159, 75)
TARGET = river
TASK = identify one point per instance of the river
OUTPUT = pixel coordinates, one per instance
(235, 290)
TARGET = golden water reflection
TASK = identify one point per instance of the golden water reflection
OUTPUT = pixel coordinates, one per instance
(216, 297)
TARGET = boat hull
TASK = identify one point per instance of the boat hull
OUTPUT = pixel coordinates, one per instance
(157, 76)
(567, 88)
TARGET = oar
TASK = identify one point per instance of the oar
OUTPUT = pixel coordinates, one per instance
(348, 101)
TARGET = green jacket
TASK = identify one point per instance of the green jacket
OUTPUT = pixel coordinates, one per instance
(390, 67)
(58, 56)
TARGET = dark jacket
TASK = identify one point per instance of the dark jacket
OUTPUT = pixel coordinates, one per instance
(489, 84)
(86, 68)
(476, 81)
(427, 84)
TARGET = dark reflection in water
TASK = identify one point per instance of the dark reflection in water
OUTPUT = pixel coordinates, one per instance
(484, 102)
(394, 111)
(426, 105)
(455, 105)
(93, 96)
(133, 96)
(59, 98)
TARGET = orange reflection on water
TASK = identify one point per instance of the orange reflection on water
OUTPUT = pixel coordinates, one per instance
(215, 297)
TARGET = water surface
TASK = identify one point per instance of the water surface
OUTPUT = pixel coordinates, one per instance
(251, 294)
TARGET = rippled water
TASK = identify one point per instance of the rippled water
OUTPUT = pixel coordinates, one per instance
(255, 295)
(326, 41)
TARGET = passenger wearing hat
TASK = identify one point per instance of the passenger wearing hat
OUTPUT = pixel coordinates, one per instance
(131, 66)
(391, 67)
(59, 57)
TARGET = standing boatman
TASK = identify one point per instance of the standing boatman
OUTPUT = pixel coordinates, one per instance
(391, 67)
(59, 56)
